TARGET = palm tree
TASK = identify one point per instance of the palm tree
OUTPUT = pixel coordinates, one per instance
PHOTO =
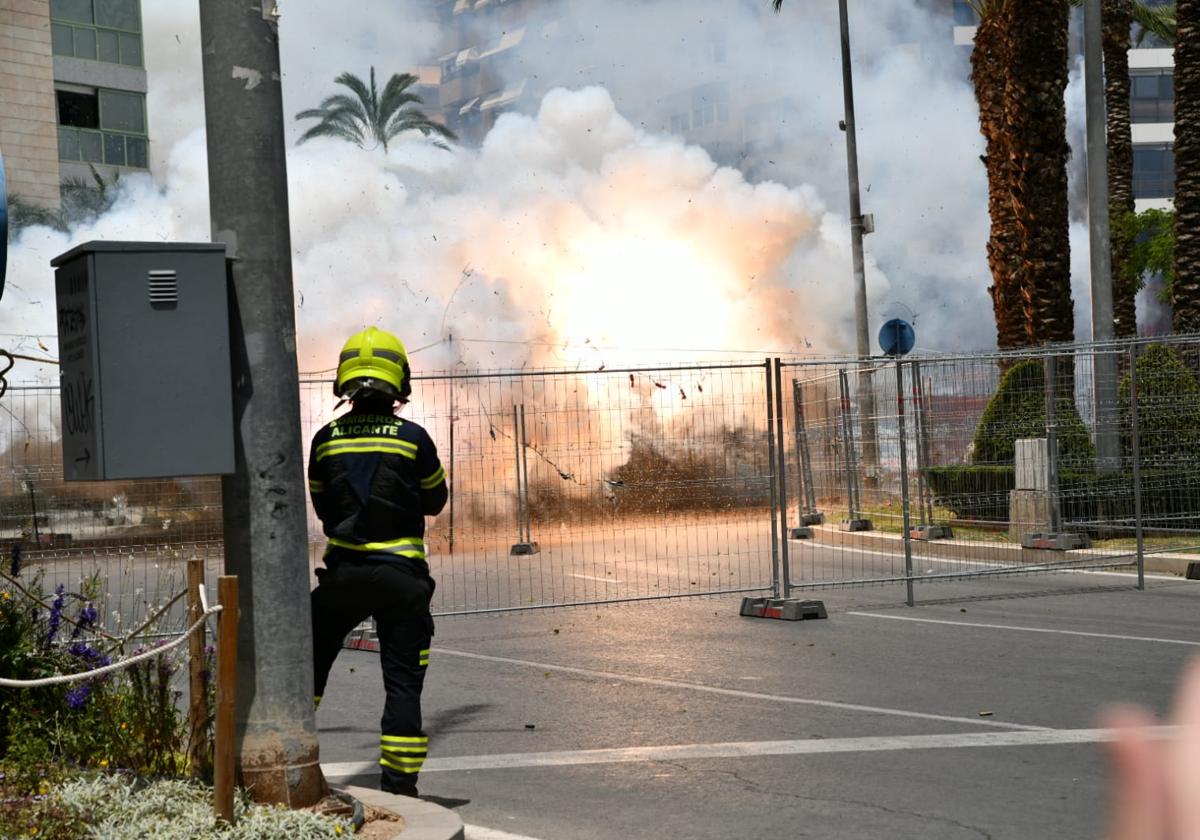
(364, 115)
(1117, 19)
(1185, 295)
(989, 70)
(1036, 124)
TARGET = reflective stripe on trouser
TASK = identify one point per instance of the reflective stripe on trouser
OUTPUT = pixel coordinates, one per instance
(403, 755)
(398, 599)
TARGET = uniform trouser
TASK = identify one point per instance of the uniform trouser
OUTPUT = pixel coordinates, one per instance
(397, 597)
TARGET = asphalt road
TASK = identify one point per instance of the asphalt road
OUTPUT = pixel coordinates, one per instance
(964, 717)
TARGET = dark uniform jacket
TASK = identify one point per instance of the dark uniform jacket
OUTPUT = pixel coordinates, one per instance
(373, 479)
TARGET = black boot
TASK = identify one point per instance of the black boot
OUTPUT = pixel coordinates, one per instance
(401, 784)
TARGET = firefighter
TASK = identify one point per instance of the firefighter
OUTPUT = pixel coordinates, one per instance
(374, 478)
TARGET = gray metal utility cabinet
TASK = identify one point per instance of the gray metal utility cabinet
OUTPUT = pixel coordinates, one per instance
(143, 348)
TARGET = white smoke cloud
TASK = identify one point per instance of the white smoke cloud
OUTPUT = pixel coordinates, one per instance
(584, 223)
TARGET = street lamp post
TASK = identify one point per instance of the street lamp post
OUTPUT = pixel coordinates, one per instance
(857, 229)
(1104, 363)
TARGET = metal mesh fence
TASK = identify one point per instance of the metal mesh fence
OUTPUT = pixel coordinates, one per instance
(978, 467)
(126, 541)
(588, 487)
(575, 488)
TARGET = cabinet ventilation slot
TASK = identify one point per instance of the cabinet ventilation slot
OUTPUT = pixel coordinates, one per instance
(164, 287)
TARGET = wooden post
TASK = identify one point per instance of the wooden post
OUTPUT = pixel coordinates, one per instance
(197, 707)
(227, 586)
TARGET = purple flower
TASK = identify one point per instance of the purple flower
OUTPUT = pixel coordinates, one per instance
(86, 620)
(77, 697)
(15, 568)
(84, 651)
(56, 608)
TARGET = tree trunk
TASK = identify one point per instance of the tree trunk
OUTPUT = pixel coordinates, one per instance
(1036, 117)
(989, 69)
(1117, 17)
(1185, 297)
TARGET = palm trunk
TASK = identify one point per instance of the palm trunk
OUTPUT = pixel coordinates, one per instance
(1037, 123)
(1185, 295)
(989, 69)
(1117, 17)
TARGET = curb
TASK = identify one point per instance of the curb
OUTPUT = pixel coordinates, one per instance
(1175, 564)
(422, 820)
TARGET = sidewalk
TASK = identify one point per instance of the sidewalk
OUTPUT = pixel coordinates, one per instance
(421, 820)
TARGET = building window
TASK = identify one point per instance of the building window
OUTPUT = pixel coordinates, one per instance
(680, 123)
(1154, 171)
(1151, 96)
(103, 126)
(99, 30)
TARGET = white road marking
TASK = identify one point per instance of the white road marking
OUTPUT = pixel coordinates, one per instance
(478, 832)
(751, 749)
(597, 579)
(733, 692)
(1027, 629)
(985, 564)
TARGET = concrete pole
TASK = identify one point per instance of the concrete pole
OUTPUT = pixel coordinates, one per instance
(1105, 363)
(266, 540)
(866, 394)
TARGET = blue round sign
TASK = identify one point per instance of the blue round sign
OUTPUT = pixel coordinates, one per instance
(3, 226)
(897, 337)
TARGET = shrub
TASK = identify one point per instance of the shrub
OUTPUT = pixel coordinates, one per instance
(127, 718)
(1168, 409)
(981, 493)
(973, 492)
(1018, 410)
(116, 807)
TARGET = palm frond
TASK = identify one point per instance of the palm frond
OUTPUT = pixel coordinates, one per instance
(341, 100)
(365, 113)
(1158, 21)
(398, 83)
(413, 120)
(986, 8)
(777, 4)
(342, 129)
(359, 88)
(23, 213)
(391, 103)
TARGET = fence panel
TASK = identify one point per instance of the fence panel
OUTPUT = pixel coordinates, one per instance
(1046, 462)
(125, 543)
(1160, 447)
(593, 487)
(587, 487)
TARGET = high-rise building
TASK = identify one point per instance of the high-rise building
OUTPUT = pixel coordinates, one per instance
(72, 94)
(478, 76)
(494, 59)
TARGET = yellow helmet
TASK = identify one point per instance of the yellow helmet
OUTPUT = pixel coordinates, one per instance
(373, 359)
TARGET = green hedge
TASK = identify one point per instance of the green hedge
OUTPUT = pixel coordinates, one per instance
(1018, 410)
(1168, 409)
(1170, 497)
